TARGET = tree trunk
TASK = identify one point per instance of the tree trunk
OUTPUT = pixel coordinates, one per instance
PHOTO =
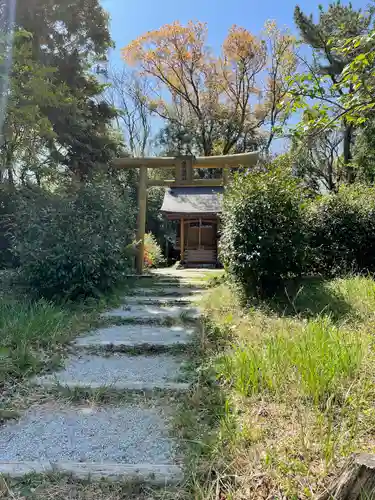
(38, 181)
(348, 132)
(356, 481)
(10, 176)
(331, 185)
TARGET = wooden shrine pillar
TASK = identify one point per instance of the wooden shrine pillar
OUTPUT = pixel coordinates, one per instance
(141, 222)
(225, 176)
(182, 239)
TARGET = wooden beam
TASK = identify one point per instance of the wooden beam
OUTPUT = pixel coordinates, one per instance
(153, 162)
(182, 239)
(161, 182)
(141, 223)
(187, 216)
(246, 159)
(194, 182)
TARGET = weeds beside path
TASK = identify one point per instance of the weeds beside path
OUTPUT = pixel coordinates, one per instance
(34, 333)
(284, 390)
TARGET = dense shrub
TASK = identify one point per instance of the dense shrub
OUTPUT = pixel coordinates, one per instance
(262, 240)
(73, 242)
(8, 197)
(341, 231)
(153, 252)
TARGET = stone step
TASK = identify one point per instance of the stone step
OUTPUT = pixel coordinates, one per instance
(118, 372)
(181, 273)
(145, 312)
(138, 336)
(153, 475)
(123, 443)
(162, 299)
(178, 283)
(170, 291)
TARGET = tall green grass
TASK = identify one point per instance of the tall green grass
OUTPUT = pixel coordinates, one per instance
(315, 361)
(29, 334)
(295, 381)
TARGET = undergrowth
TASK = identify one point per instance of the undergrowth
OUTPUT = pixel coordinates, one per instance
(284, 390)
(34, 333)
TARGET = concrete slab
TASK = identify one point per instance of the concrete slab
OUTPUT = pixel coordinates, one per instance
(151, 312)
(151, 474)
(170, 291)
(136, 336)
(176, 283)
(162, 299)
(182, 273)
(118, 371)
(76, 437)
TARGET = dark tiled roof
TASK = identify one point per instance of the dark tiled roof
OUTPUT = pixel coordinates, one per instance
(193, 200)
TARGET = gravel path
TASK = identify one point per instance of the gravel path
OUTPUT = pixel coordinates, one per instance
(131, 434)
(105, 371)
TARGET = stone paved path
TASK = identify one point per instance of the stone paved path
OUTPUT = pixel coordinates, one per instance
(129, 439)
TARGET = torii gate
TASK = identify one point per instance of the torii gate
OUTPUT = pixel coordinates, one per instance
(183, 167)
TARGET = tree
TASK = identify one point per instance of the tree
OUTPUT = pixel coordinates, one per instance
(128, 94)
(208, 95)
(26, 130)
(318, 160)
(7, 11)
(358, 105)
(282, 64)
(71, 36)
(364, 152)
(325, 82)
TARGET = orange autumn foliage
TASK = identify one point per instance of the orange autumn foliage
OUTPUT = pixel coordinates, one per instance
(216, 97)
(213, 92)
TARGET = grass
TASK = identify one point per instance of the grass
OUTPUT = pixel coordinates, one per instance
(314, 359)
(284, 391)
(63, 487)
(34, 334)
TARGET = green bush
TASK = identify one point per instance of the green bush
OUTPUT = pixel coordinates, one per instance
(153, 252)
(262, 241)
(72, 243)
(8, 196)
(341, 232)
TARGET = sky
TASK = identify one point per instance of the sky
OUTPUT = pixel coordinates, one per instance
(131, 18)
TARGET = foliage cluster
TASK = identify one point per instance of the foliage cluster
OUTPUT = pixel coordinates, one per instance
(56, 119)
(73, 242)
(341, 231)
(8, 204)
(274, 230)
(262, 237)
(153, 253)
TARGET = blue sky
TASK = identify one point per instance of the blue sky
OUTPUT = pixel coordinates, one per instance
(131, 18)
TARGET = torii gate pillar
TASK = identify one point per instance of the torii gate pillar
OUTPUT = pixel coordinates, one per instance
(141, 220)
